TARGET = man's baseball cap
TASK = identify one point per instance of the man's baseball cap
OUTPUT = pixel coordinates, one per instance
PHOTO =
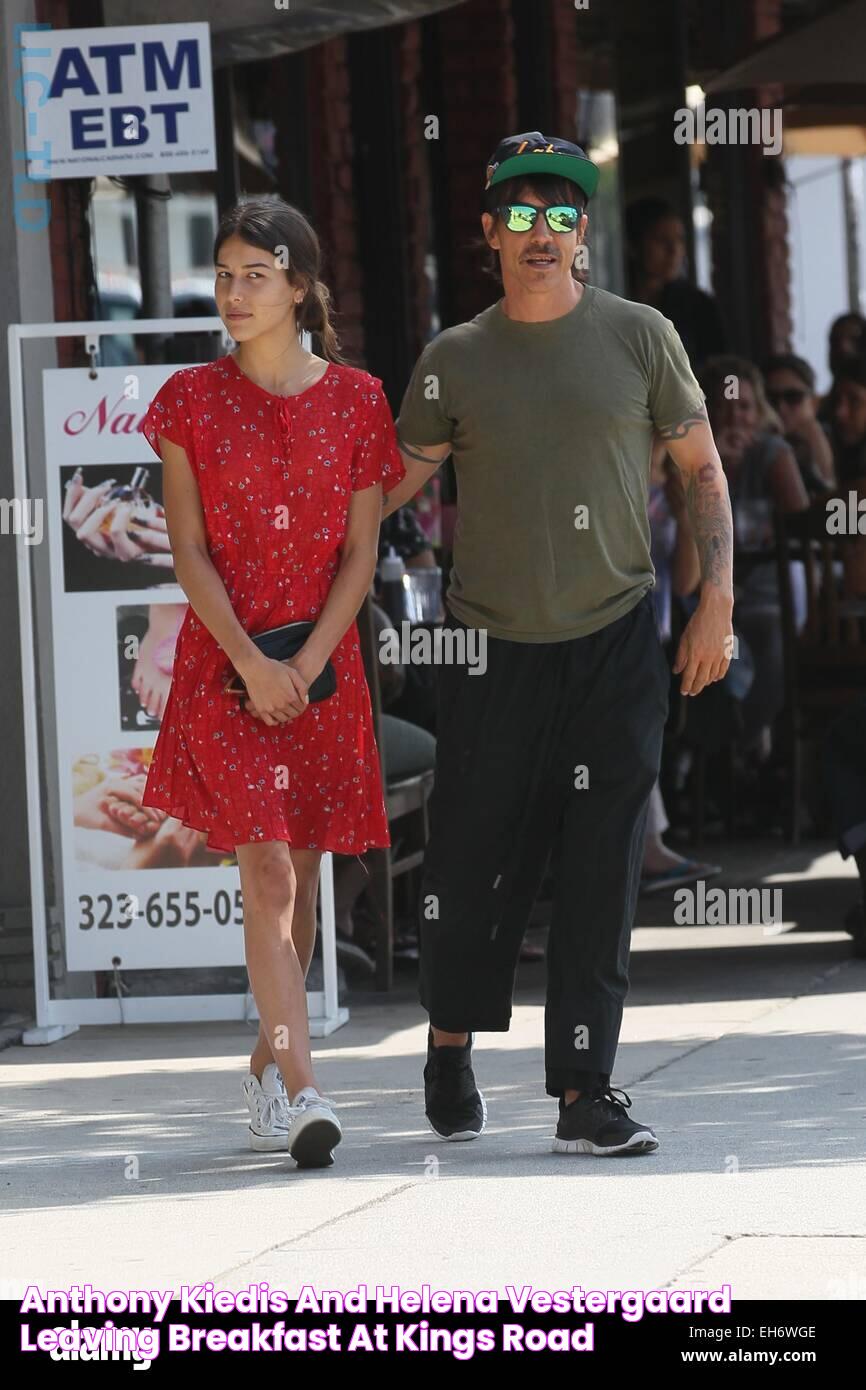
(534, 153)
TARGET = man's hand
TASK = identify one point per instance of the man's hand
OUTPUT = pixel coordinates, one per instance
(706, 646)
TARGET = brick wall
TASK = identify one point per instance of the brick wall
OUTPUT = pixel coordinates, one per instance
(564, 67)
(745, 192)
(416, 183)
(331, 153)
(479, 107)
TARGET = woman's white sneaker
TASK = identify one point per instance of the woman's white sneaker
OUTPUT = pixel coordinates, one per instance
(269, 1110)
(314, 1130)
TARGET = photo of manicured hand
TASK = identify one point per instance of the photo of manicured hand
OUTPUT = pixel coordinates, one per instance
(117, 522)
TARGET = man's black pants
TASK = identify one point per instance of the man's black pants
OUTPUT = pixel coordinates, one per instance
(553, 751)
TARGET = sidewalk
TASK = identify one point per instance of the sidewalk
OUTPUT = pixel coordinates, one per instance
(125, 1159)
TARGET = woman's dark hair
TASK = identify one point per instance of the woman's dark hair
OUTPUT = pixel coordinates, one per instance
(642, 215)
(714, 373)
(852, 369)
(550, 188)
(789, 362)
(851, 316)
(273, 225)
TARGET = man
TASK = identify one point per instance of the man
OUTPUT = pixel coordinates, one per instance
(549, 400)
(847, 410)
(847, 338)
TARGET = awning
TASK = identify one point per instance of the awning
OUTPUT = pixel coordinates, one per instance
(831, 49)
(243, 31)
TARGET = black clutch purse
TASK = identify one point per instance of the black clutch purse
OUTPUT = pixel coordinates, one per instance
(280, 644)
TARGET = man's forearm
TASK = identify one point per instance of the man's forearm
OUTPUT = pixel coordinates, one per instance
(420, 465)
(709, 510)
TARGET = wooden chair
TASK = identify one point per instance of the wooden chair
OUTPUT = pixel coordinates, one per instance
(405, 802)
(824, 664)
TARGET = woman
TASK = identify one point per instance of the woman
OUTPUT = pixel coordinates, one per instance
(790, 383)
(274, 465)
(762, 474)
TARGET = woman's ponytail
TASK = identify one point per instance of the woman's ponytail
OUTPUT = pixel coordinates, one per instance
(314, 315)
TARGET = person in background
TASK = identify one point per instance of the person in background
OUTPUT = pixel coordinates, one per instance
(656, 239)
(407, 749)
(847, 412)
(845, 763)
(762, 473)
(791, 392)
(847, 338)
(758, 462)
(678, 571)
(677, 565)
(416, 701)
(403, 530)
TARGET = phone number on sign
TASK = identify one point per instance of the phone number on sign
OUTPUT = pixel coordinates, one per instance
(175, 909)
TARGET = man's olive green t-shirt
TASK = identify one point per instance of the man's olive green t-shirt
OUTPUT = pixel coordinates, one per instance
(551, 429)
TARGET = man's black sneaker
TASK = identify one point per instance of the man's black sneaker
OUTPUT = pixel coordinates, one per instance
(597, 1123)
(454, 1105)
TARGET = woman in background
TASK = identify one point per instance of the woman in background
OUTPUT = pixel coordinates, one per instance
(762, 473)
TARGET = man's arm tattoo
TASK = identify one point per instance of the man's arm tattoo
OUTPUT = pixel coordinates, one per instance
(681, 428)
(418, 454)
(710, 516)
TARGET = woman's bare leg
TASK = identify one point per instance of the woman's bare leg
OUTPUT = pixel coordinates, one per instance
(306, 863)
(276, 969)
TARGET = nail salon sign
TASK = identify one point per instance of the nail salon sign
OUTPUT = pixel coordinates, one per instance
(139, 889)
(137, 99)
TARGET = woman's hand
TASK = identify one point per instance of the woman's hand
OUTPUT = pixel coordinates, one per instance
(276, 690)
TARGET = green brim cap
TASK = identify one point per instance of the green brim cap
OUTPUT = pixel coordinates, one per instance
(534, 153)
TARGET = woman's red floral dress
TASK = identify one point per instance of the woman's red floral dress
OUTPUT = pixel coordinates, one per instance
(276, 475)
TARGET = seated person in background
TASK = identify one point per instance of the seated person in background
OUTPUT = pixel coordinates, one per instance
(847, 338)
(791, 393)
(847, 413)
(416, 702)
(656, 239)
(762, 473)
(845, 754)
(403, 530)
(678, 571)
(759, 464)
(406, 750)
